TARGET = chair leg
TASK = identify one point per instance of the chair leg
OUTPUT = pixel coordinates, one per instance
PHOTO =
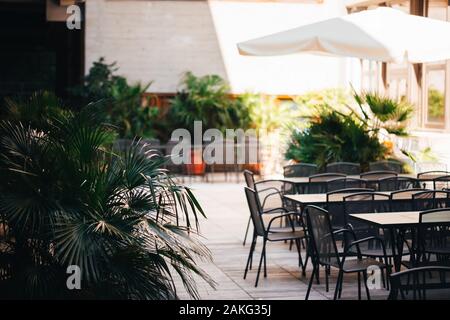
(359, 285)
(326, 279)
(260, 263)
(300, 260)
(338, 285)
(311, 281)
(305, 264)
(250, 255)
(265, 260)
(246, 230)
(254, 240)
(365, 284)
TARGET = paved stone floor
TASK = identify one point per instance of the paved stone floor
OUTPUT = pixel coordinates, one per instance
(223, 232)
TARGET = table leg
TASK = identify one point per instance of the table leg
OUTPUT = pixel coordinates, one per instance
(395, 257)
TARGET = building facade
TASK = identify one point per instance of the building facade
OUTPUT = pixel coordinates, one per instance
(426, 86)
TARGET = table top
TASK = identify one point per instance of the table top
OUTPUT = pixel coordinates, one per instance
(305, 180)
(389, 218)
(315, 198)
(398, 219)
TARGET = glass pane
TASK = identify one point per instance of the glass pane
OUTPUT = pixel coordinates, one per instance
(436, 93)
(437, 9)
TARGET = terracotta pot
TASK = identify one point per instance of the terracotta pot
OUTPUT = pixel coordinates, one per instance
(197, 166)
(254, 167)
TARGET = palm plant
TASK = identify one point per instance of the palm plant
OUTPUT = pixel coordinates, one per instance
(349, 133)
(66, 199)
(383, 113)
(207, 99)
(123, 105)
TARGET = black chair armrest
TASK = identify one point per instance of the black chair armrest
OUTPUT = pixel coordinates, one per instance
(286, 215)
(357, 242)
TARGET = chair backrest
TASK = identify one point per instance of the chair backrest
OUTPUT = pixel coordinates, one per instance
(402, 200)
(423, 200)
(435, 216)
(441, 182)
(249, 179)
(416, 283)
(441, 199)
(321, 236)
(364, 202)
(349, 168)
(377, 175)
(335, 205)
(255, 212)
(325, 177)
(397, 183)
(433, 231)
(318, 183)
(345, 183)
(431, 175)
(300, 170)
(270, 193)
(386, 165)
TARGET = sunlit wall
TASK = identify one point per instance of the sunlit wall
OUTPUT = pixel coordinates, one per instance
(159, 40)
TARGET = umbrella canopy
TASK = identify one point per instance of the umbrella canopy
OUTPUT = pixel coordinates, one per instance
(382, 34)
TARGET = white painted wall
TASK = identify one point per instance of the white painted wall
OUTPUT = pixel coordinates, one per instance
(159, 40)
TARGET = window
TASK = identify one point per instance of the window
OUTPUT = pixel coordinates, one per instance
(435, 95)
(435, 77)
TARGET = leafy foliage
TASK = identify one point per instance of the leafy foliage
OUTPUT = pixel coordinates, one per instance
(65, 199)
(207, 99)
(124, 105)
(267, 112)
(346, 133)
(384, 113)
(331, 137)
(38, 110)
(436, 104)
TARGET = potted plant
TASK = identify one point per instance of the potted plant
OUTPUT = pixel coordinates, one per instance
(206, 99)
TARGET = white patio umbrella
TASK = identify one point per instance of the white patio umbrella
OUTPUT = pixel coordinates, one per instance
(382, 34)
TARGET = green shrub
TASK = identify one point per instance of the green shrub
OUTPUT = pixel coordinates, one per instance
(65, 199)
(207, 99)
(123, 105)
(331, 137)
(352, 133)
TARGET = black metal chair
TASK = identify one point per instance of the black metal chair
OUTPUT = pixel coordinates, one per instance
(300, 170)
(386, 165)
(270, 196)
(371, 203)
(431, 199)
(423, 200)
(441, 183)
(415, 283)
(429, 176)
(373, 177)
(364, 202)
(348, 168)
(433, 237)
(266, 233)
(397, 183)
(335, 205)
(345, 183)
(318, 182)
(324, 251)
(402, 200)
